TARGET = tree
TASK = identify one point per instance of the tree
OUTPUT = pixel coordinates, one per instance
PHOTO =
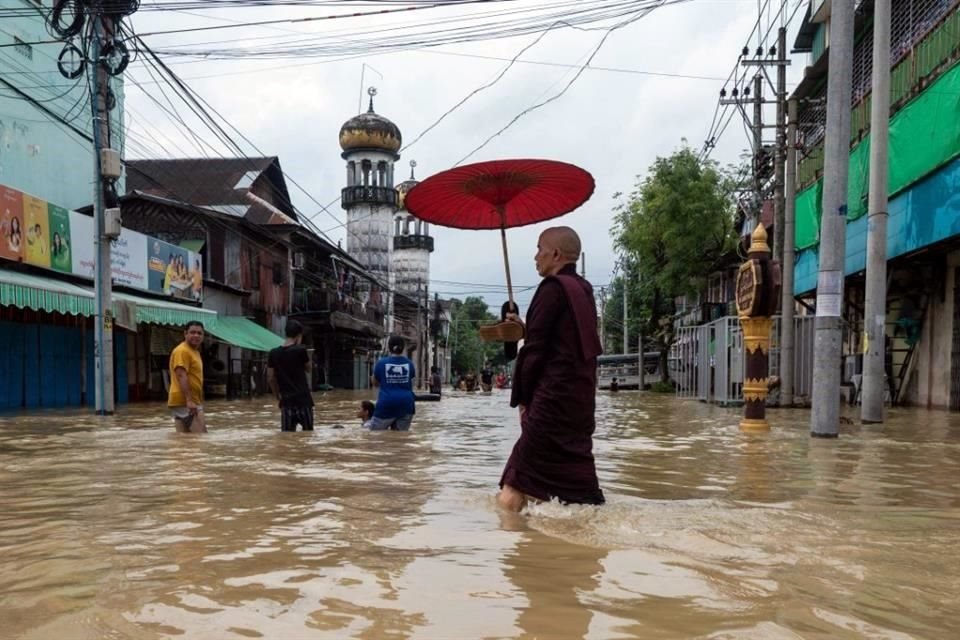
(468, 351)
(673, 231)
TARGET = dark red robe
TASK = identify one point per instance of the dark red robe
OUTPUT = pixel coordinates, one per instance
(555, 379)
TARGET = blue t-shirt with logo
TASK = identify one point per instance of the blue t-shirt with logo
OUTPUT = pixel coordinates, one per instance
(395, 376)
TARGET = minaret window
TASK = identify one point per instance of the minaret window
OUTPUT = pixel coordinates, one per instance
(397, 225)
(366, 173)
(426, 228)
(382, 174)
(351, 173)
(406, 226)
(418, 227)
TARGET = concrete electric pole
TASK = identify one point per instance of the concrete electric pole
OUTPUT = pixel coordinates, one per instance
(828, 325)
(779, 162)
(789, 225)
(875, 306)
(103, 285)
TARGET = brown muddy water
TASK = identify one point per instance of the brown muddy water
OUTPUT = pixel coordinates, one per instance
(118, 528)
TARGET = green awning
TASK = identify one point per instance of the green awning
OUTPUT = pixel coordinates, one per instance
(27, 291)
(154, 311)
(244, 333)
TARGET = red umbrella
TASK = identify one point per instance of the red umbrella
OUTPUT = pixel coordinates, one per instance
(500, 194)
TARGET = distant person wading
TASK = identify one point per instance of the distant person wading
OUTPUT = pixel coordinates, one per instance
(287, 368)
(394, 376)
(186, 382)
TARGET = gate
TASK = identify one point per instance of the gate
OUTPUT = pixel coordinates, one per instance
(706, 361)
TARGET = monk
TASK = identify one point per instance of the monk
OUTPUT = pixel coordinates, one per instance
(554, 385)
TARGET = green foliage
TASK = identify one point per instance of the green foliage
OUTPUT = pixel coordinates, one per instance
(469, 352)
(673, 231)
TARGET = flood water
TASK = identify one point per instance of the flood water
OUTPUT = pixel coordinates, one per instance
(118, 528)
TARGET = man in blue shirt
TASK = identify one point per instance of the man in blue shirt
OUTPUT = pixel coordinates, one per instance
(394, 376)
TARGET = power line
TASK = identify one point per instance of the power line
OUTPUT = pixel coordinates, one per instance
(557, 96)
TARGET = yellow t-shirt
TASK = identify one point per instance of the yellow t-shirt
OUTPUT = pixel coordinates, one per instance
(189, 358)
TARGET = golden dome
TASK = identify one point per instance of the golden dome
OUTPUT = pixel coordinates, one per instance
(404, 188)
(370, 131)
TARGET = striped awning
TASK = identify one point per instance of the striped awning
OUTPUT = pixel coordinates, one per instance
(28, 291)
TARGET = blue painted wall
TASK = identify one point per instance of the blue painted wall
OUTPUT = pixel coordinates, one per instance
(37, 156)
(926, 213)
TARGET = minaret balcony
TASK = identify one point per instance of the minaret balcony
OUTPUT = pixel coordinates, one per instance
(362, 194)
(413, 242)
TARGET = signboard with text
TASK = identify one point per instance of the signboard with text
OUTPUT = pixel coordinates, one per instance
(48, 236)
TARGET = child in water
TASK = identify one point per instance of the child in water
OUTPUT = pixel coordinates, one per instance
(365, 413)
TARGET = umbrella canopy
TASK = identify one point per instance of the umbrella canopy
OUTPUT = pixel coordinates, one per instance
(500, 194)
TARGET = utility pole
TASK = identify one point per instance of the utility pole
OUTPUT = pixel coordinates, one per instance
(583, 265)
(420, 346)
(626, 332)
(828, 326)
(603, 318)
(780, 151)
(101, 57)
(103, 286)
(757, 140)
(436, 326)
(875, 306)
(787, 304)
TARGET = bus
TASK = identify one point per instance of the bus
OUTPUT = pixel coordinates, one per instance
(625, 367)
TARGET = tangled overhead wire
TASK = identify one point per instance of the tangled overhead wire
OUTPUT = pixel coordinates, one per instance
(73, 19)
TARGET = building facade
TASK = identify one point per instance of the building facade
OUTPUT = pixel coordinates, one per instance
(923, 233)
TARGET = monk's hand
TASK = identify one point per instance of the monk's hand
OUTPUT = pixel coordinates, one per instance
(513, 317)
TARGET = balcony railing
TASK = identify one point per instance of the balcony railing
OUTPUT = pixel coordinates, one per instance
(924, 46)
(413, 242)
(361, 194)
(319, 301)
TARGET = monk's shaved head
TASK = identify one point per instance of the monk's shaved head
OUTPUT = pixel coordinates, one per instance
(556, 248)
(564, 239)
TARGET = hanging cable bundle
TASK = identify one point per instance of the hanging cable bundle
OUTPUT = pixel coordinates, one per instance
(69, 10)
(114, 8)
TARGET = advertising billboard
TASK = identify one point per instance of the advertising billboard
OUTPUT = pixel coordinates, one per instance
(48, 236)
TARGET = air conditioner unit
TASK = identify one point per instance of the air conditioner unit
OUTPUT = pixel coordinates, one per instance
(299, 260)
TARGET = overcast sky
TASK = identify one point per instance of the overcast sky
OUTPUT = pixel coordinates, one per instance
(614, 124)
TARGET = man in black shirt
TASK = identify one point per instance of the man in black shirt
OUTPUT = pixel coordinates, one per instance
(287, 368)
(486, 377)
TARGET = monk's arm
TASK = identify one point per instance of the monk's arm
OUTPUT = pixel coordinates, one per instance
(538, 342)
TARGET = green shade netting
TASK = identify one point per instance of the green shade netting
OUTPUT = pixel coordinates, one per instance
(924, 135)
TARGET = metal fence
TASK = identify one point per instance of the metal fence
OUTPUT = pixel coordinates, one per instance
(706, 362)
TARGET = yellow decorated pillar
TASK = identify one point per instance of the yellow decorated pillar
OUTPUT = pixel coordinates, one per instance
(758, 293)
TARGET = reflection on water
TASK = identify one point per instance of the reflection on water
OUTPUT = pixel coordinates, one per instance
(118, 528)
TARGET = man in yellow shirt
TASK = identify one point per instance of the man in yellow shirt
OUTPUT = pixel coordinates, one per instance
(186, 381)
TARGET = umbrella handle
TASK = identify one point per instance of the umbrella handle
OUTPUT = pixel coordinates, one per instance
(506, 263)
